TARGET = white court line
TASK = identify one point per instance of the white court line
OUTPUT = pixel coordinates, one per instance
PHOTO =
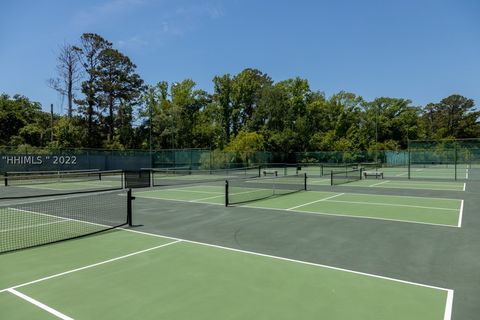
(323, 199)
(460, 216)
(50, 310)
(401, 174)
(91, 265)
(377, 184)
(63, 219)
(448, 305)
(190, 191)
(392, 205)
(176, 200)
(464, 186)
(466, 174)
(202, 199)
(32, 226)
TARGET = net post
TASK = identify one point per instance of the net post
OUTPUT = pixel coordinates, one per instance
(226, 193)
(305, 182)
(331, 178)
(6, 179)
(130, 198)
(259, 171)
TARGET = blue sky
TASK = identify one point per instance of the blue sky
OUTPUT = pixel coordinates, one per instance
(422, 50)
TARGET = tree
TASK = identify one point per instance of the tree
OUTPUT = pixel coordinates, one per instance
(118, 88)
(68, 75)
(89, 53)
(454, 116)
(392, 119)
(247, 87)
(245, 144)
(222, 96)
(187, 102)
(22, 121)
(68, 133)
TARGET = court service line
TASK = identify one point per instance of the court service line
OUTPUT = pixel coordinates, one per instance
(32, 226)
(401, 174)
(323, 199)
(392, 205)
(202, 199)
(37, 303)
(176, 200)
(377, 184)
(464, 186)
(192, 191)
(460, 216)
(90, 266)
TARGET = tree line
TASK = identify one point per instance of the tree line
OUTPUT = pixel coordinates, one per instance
(110, 106)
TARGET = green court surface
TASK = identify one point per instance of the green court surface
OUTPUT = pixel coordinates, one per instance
(436, 211)
(130, 275)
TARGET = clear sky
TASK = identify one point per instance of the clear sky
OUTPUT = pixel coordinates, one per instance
(418, 49)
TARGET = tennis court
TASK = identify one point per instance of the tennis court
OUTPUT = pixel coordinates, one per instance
(283, 250)
(438, 211)
(397, 183)
(82, 180)
(131, 275)
(428, 172)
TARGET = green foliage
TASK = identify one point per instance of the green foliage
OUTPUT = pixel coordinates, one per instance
(246, 113)
(245, 144)
(21, 121)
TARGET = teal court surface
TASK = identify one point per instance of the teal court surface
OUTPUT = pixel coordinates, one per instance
(125, 275)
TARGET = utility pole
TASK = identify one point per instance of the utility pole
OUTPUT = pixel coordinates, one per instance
(51, 122)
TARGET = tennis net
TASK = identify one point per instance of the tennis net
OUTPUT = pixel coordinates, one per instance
(30, 224)
(346, 176)
(179, 176)
(48, 177)
(242, 191)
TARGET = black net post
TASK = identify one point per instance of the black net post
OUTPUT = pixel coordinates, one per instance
(331, 178)
(305, 181)
(226, 193)
(130, 199)
(6, 179)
